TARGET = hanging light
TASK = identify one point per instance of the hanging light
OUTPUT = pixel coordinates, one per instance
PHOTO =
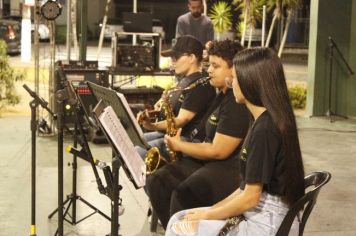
(51, 9)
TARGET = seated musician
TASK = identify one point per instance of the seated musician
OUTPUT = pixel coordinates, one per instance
(188, 106)
(206, 172)
(271, 165)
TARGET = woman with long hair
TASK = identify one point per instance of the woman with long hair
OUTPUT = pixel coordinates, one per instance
(271, 165)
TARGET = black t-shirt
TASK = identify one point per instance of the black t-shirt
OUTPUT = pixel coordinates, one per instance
(196, 100)
(261, 157)
(228, 118)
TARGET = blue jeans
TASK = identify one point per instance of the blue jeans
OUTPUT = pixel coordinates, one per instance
(264, 219)
(154, 139)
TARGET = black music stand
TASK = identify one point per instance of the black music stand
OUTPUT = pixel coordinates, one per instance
(108, 97)
(123, 112)
(79, 137)
(332, 45)
(67, 94)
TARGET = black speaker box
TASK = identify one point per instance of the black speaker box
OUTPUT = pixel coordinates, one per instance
(78, 73)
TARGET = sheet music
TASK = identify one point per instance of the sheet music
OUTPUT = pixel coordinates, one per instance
(123, 144)
(129, 112)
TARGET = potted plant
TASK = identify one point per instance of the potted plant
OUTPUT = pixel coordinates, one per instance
(221, 18)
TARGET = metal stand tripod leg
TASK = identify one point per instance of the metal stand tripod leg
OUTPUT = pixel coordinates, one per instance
(73, 197)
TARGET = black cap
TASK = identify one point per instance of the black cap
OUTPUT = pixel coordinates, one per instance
(185, 44)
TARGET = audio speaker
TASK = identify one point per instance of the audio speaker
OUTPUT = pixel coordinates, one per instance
(78, 73)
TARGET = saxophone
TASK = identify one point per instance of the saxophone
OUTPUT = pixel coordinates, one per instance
(153, 159)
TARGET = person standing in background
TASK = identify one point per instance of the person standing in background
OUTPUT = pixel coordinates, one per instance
(194, 23)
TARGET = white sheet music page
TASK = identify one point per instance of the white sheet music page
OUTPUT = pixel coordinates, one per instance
(122, 142)
(129, 112)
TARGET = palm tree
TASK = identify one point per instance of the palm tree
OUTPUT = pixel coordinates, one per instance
(220, 16)
(255, 16)
(291, 6)
(276, 6)
(254, 9)
(243, 4)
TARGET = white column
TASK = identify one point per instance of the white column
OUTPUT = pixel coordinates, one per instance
(26, 34)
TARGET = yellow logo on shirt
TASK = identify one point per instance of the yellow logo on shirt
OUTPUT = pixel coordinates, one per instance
(213, 120)
(181, 98)
(243, 154)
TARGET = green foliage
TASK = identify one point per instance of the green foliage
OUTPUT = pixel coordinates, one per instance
(277, 6)
(298, 96)
(7, 79)
(254, 13)
(221, 16)
(240, 26)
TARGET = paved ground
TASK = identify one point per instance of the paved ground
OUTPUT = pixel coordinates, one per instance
(325, 146)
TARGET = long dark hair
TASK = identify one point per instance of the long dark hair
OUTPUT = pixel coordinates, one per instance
(262, 82)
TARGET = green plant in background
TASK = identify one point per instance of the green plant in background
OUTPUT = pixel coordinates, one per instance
(221, 17)
(278, 6)
(253, 11)
(7, 80)
(240, 27)
(242, 7)
(291, 7)
(298, 96)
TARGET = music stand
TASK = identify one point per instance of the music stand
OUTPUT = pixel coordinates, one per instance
(68, 94)
(116, 101)
(332, 45)
(123, 112)
(124, 149)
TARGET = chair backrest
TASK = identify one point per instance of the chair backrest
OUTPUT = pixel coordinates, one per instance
(307, 202)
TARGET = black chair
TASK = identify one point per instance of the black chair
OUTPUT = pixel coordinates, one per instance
(304, 205)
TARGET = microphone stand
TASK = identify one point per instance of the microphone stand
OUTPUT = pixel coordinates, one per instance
(333, 45)
(61, 98)
(33, 105)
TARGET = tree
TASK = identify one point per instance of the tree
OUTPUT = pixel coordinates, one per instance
(245, 5)
(291, 6)
(253, 14)
(7, 80)
(220, 15)
(278, 6)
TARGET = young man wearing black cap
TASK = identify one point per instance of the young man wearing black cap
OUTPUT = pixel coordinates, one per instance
(188, 106)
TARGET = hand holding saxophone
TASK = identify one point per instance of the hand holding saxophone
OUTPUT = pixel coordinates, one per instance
(172, 142)
(147, 116)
